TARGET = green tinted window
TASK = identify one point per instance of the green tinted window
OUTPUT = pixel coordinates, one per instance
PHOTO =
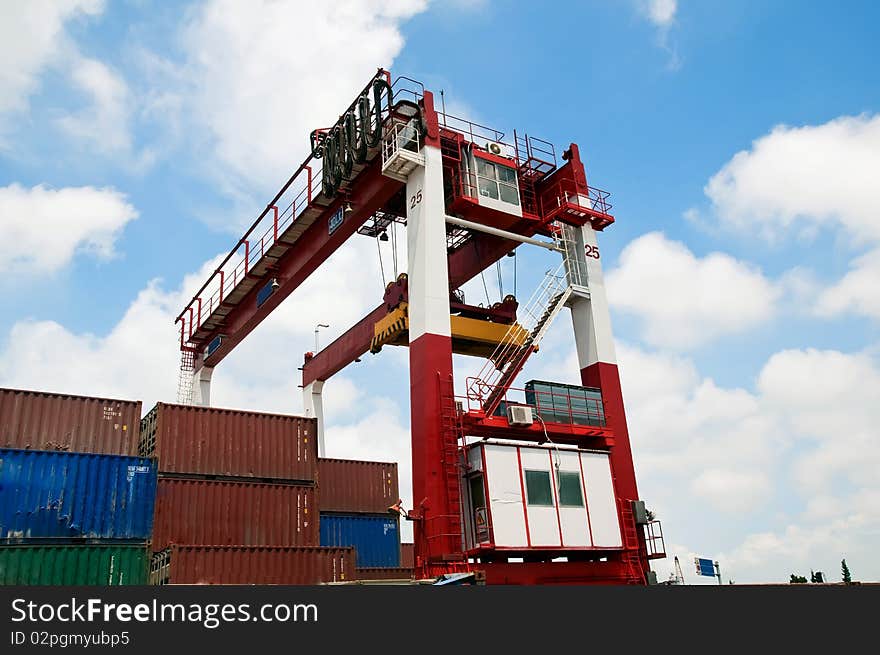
(570, 489)
(538, 490)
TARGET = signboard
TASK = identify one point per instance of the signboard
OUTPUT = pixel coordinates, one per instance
(705, 567)
(334, 221)
(482, 524)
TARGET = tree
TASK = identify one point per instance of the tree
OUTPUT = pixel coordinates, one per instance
(797, 579)
(844, 572)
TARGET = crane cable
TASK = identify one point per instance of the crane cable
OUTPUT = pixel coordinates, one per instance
(381, 267)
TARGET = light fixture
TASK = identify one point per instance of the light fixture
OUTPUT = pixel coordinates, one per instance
(383, 236)
(347, 209)
(396, 509)
(275, 283)
(317, 327)
(512, 253)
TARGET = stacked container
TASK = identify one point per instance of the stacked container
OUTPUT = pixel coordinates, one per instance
(76, 503)
(355, 499)
(235, 501)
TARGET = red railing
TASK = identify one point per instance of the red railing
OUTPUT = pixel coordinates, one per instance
(565, 192)
(549, 407)
(284, 209)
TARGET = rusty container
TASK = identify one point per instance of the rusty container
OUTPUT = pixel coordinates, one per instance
(346, 485)
(407, 555)
(226, 442)
(254, 565)
(240, 513)
(39, 420)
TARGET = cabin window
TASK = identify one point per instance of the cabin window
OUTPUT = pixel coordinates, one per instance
(538, 490)
(570, 489)
(497, 181)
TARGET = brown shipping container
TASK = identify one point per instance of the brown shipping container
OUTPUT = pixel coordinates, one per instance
(251, 565)
(214, 512)
(38, 420)
(400, 573)
(346, 485)
(227, 442)
(407, 555)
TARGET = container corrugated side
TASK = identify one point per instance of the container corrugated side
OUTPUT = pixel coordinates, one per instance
(407, 555)
(59, 495)
(375, 538)
(241, 513)
(41, 420)
(74, 565)
(186, 564)
(352, 486)
(226, 442)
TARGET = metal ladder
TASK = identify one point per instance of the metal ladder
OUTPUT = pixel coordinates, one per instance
(573, 259)
(631, 547)
(450, 517)
(509, 357)
(185, 377)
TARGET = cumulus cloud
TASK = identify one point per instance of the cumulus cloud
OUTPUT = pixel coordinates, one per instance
(32, 38)
(857, 291)
(684, 300)
(259, 77)
(105, 123)
(43, 228)
(803, 179)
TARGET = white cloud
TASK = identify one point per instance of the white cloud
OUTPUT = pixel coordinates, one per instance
(661, 12)
(31, 38)
(683, 300)
(799, 452)
(857, 292)
(43, 228)
(804, 179)
(106, 123)
(261, 76)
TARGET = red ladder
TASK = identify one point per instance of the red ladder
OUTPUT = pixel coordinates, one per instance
(631, 547)
(450, 516)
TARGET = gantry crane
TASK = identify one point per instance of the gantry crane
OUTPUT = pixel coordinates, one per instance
(531, 485)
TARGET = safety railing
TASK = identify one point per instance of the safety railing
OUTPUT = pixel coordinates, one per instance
(654, 543)
(566, 192)
(400, 136)
(554, 407)
(300, 191)
(408, 88)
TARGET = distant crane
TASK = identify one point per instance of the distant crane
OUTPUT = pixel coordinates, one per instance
(676, 577)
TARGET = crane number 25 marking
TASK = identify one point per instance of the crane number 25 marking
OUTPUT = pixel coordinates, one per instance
(592, 251)
(415, 199)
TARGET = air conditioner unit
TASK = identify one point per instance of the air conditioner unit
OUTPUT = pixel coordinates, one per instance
(494, 148)
(519, 415)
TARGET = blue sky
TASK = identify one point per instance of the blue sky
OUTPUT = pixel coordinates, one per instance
(740, 142)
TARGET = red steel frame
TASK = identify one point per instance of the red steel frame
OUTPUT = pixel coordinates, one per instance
(226, 305)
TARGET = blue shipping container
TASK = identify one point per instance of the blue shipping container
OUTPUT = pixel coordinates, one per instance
(376, 538)
(60, 495)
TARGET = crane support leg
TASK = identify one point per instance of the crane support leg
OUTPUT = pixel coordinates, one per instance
(430, 355)
(313, 406)
(202, 386)
(598, 364)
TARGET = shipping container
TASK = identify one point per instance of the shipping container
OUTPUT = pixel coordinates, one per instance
(384, 573)
(407, 555)
(225, 442)
(264, 565)
(40, 420)
(59, 495)
(375, 538)
(346, 485)
(243, 513)
(74, 564)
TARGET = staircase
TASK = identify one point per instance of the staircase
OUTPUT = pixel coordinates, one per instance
(509, 357)
(185, 377)
(575, 264)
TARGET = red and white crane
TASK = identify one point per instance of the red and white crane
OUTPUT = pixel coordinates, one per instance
(522, 486)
